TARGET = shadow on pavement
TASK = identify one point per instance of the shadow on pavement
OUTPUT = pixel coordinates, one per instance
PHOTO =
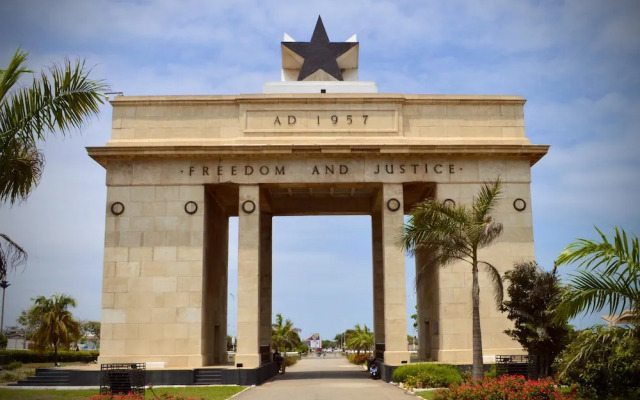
(295, 375)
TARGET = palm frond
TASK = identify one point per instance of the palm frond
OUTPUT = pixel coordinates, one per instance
(12, 255)
(496, 282)
(486, 200)
(13, 72)
(21, 167)
(592, 292)
(612, 256)
(59, 100)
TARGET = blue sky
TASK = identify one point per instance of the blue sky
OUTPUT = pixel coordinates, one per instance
(576, 62)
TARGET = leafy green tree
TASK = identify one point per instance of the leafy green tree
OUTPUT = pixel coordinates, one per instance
(604, 363)
(4, 341)
(456, 233)
(57, 326)
(59, 100)
(608, 275)
(534, 295)
(361, 339)
(283, 335)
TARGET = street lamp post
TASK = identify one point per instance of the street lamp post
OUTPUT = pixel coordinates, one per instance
(4, 285)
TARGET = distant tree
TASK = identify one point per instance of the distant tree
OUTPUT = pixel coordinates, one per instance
(283, 335)
(91, 328)
(4, 341)
(229, 343)
(534, 295)
(29, 322)
(328, 344)
(608, 275)
(57, 325)
(414, 317)
(456, 233)
(361, 339)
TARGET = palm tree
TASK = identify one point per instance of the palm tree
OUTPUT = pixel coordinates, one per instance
(608, 275)
(57, 326)
(456, 233)
(283, 335)
(360, 339)
(59, 100)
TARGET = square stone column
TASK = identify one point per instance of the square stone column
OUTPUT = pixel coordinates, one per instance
(248, 277)
(395, 293)
(378, 277)
(265, 279)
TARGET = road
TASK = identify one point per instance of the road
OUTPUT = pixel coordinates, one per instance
(324, 379)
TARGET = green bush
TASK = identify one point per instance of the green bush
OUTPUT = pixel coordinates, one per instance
(16, 375)
(290, 360)
(358, 359)
(31, 356)
(493, 372)
(12, 366)
(431, 375)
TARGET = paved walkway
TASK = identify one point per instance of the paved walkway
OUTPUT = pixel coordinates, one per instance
(324, 379)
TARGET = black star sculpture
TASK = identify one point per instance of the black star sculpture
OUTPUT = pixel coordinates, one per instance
(320, 53)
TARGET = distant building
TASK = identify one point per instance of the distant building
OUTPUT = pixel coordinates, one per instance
(314, 342)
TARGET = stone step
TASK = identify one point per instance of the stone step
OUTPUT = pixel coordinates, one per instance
(208, 376)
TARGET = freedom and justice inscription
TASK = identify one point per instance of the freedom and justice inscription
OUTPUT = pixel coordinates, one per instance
(317, 169)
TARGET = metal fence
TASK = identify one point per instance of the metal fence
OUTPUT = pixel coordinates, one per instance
(517, 365)
(123, 378)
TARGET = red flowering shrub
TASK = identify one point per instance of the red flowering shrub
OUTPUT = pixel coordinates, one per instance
(131, 396)
(128, 396)
(504, 388)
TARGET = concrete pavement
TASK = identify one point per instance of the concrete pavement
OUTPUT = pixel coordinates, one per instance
(324, 379)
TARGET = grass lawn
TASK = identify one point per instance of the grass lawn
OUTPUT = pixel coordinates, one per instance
(427, 394)
(209, 393)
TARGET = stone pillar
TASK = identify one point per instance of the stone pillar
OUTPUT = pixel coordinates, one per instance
(215, 276)
(395, 302)
(265, 279)
(378, 277)
(248, 277)
(425, 291)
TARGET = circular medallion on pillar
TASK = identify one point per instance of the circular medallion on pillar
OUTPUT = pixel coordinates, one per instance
(191, 207)
(248, 207)
(449, 203)
(519, 204)
(117, 208)
(393, 205)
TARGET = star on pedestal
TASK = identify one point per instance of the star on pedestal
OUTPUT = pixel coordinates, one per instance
(320, 54)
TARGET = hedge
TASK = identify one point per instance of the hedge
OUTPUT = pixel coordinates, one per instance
(440, 375)
(31, 356)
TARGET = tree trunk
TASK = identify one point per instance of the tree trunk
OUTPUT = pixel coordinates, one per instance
(478, 370)
(55, 354)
